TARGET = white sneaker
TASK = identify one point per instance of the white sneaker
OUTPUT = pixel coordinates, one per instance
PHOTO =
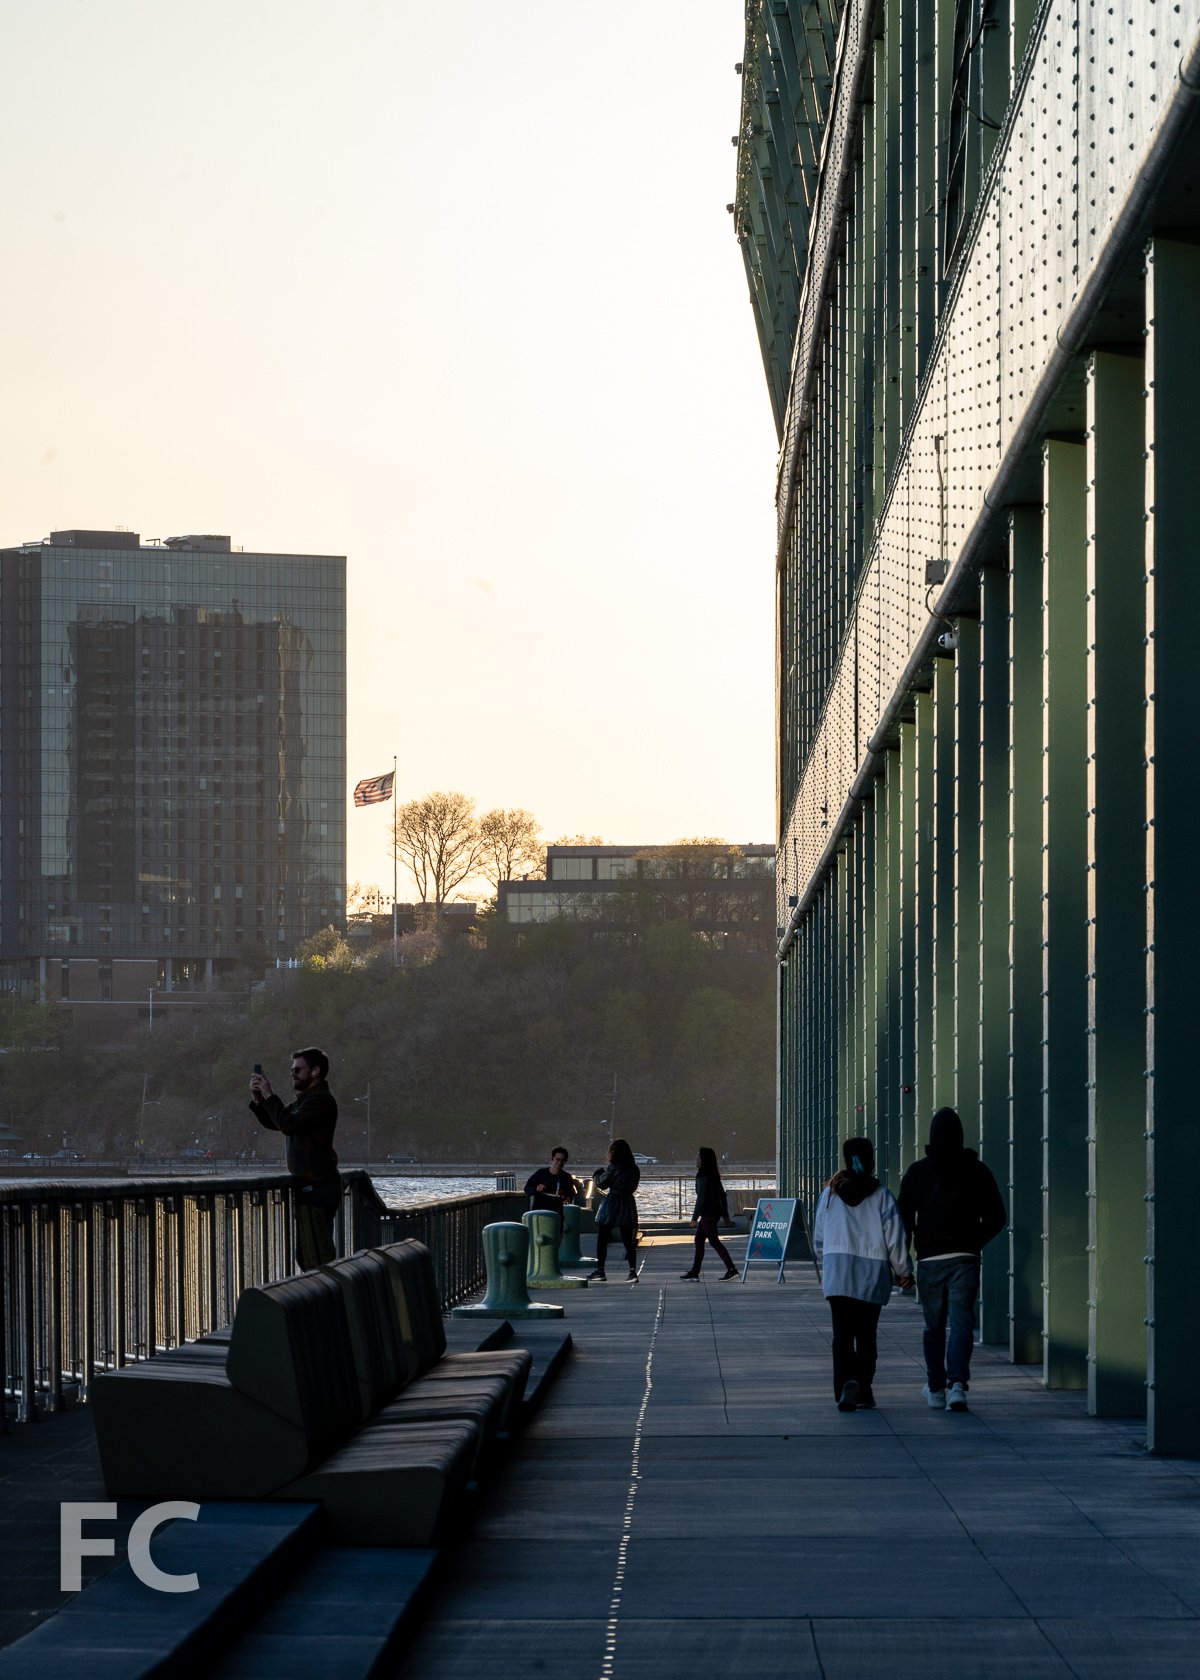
(935, 1398)
(956, 1398)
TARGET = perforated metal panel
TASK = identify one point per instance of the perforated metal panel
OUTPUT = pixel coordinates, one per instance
(824, 231)
(1128, 65)
(1099, 81)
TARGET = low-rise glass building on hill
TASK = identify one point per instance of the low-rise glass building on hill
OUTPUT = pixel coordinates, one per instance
(723, 892)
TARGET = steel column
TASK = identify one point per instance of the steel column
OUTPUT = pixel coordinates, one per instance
(903, 1106)
(963, 1083)
(926, 896)
(1064, 915)
(1116, 615)
(1025, 936)
(941, 1091)
(1173, 811)
(994, 913)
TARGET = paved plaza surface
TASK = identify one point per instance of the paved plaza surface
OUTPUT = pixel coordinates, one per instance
(690, 1499)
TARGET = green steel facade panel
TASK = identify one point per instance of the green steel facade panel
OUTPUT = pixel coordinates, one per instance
(972, 237)
(1025, 1181)
(1172, 815)
(1116, 901)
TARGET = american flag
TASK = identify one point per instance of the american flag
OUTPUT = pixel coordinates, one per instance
(375, 789)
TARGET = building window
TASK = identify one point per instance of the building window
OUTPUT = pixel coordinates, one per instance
(572, 869)
(615, 868)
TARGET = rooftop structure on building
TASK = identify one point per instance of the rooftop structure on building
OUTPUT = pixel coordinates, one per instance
(717, 887)
(172, 760)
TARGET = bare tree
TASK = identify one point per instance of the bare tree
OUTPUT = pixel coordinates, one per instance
(511, 845)
(363, 898)
(438, 839)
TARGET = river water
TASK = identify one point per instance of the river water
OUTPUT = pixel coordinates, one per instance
(657, 1198)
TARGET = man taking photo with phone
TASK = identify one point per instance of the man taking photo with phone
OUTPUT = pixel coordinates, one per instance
(308, 1124)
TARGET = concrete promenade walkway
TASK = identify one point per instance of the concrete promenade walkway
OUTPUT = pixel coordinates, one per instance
(690, 1501)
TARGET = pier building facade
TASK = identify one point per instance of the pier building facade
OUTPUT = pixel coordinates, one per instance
(971, 233)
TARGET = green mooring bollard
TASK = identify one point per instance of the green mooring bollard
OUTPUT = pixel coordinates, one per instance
(543, 1272)
(506, 1255)
(568, 1248)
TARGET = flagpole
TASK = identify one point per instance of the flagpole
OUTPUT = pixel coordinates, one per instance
(395, 848)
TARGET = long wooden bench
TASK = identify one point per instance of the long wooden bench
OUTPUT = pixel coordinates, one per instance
(335, 1387)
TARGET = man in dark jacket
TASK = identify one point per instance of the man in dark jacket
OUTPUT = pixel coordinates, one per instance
(549, 1187)
(951, 1207)
(308, 1124)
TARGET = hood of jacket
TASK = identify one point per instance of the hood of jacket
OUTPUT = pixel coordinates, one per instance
(946, 1135)
(854, 1187)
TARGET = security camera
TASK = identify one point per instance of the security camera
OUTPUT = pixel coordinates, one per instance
(948, 641)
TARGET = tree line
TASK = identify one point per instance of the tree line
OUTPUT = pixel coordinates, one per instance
(490, 1046)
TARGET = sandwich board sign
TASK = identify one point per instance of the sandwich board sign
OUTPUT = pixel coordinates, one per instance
(775, 1234)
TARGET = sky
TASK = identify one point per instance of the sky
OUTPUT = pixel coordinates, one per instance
(450, 289)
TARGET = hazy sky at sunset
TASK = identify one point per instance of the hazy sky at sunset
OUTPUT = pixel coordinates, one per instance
(447, 288)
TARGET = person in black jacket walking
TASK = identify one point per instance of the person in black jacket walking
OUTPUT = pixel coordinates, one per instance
(951, 1207)
(712, 1205)
(308, 1124)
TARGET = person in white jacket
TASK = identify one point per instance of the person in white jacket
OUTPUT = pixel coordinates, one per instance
(859, 1242)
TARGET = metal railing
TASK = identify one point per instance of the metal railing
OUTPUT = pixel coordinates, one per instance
(98, 1273)
(743, 1192)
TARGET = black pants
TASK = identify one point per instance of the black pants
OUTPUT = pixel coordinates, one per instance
(316, 1208)
(706, 1231)
(854, 1352)
(604, 1232)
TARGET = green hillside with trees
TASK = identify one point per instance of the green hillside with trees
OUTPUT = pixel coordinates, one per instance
(490, 1046)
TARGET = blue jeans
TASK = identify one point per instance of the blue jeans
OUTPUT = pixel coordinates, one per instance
(947, 1290)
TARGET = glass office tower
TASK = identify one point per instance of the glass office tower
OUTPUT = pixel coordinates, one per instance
(172, 757)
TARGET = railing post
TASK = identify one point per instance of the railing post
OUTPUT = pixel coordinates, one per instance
(52, 1323)
(26, 1405)
(120, 1301)
(89, 1303)
(210, 1323)
(182, 1212)
(4, 1321)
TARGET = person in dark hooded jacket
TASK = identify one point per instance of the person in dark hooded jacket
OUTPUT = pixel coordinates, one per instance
(859, 1242)
(951, 1207)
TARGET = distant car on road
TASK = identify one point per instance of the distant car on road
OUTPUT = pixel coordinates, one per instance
(33, 1155)
(400, 1160)
(197, 1154)
(67, 1155)
(645, 1160)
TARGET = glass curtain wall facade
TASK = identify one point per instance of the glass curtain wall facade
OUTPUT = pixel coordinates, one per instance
(172, 754)
(970, 234)
(721, 891)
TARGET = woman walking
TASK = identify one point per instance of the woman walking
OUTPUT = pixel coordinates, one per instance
(712, 1205)
(618, 1211)
(859, 1241)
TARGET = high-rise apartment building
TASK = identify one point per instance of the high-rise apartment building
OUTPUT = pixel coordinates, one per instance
(172, 760)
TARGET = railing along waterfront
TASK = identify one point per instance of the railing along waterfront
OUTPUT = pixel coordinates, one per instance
(743, 1192)
(99, 1273)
